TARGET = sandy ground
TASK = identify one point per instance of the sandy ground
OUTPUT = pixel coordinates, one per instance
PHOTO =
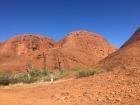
(103, 89)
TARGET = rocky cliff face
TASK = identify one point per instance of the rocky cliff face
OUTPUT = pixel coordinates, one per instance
(84, 49)
(78, 49)
(135, 38)
(127, 57)
(25, 44)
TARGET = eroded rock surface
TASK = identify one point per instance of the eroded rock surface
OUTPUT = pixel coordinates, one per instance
(78, 49)
(127, 57)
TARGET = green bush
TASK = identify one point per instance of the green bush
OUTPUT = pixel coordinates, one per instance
(7, 78)
(44, 75)
(86, 73)
(59, 74)
(4, 79)
(29, 77)
(24, 78)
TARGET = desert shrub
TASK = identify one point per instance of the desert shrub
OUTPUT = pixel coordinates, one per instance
(4, 79)
(22, 78)
(44, 75)
(38, 75)
(12, 78)
(29, 77)
(45, 72)
(35, 73)
(59, 74)
(86, 73)
(7, 78)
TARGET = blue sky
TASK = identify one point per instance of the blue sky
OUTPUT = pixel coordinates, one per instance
(115, 20)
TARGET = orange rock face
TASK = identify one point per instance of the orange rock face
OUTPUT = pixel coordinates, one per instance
(78, 49)
(21, 50)
(84, 49)
(127, 57)
(25, 44)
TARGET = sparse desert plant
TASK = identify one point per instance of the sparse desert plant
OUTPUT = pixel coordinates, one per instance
(22, 78)
(7, 78)
(44, 75)
(29, 77)
(4, 79)
(59, 74)
(85, 73)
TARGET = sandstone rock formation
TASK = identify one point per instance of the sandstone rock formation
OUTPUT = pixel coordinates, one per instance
(84, 49)
(127, 57)
(21, 50)
(25, 44)
(78, 49)
(109, 88)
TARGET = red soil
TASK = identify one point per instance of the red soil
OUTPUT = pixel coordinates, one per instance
(111, 88)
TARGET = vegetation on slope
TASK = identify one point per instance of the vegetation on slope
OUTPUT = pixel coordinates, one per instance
(7, 78)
